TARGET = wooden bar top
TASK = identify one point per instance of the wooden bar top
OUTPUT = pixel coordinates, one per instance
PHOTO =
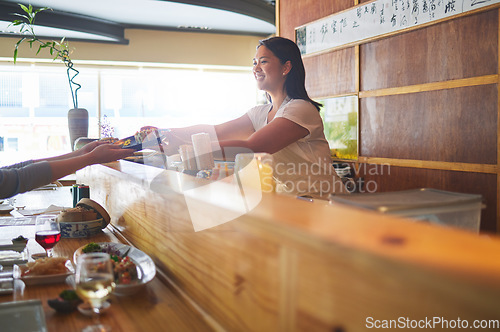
(159, 305)
(286, 264)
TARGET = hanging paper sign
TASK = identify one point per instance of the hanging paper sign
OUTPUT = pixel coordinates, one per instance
(377, 18)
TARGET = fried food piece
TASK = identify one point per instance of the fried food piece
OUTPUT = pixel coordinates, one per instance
(45, 266)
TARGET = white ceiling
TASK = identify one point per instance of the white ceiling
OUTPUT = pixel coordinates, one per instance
(148, 14)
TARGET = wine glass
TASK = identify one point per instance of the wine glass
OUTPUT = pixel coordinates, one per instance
(94, 283)
(47, 232)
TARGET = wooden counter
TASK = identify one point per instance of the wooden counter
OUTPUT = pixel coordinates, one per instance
(292, 265)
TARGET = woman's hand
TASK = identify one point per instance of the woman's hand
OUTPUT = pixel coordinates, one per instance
(170, 141)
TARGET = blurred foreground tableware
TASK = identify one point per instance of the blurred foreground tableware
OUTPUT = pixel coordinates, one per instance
(6, 285)
(22, 316)
(94, 284)
(146, 269)
(255, 170)
(86, 309)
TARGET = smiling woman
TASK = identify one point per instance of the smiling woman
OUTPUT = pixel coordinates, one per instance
(289, 126)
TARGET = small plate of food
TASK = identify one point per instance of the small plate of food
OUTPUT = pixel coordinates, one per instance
(49, 270)
(133, 269)
(6, 208)
(67, 301)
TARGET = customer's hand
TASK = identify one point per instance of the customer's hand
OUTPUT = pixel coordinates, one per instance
(105, 153)
(90, 146)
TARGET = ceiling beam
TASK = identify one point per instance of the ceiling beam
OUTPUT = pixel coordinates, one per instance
(68, 21)
(261, 9)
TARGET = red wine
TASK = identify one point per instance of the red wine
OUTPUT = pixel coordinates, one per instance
(47, 239)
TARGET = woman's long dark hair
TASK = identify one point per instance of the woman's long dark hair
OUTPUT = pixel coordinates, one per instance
(286, 50)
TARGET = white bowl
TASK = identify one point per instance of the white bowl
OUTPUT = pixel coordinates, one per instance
(146, 269)
(75, 229)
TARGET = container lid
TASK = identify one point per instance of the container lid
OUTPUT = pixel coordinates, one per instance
(407, 199)
(90, 204)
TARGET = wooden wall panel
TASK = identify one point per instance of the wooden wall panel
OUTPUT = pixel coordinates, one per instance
(429, 94)
(461, 48)
(383, 178)
(341, 68)
(455, 125)
(296, 13)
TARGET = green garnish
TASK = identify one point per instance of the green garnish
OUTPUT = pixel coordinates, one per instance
(69, 295)
(91, 247)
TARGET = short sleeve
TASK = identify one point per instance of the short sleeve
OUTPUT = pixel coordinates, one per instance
(258, 116)
(304, 114)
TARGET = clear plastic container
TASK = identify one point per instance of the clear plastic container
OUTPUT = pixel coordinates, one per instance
(432, 205)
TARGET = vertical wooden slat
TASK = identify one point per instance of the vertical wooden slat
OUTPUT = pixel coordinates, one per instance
(277, 17)
(498, 129)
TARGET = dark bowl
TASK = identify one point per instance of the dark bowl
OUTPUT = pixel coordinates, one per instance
(64, 306)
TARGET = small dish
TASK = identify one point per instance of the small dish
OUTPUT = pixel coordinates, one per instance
(39, 255)
(67, 301)
(12, 257)
(6, 209)
(64, 306)
(20, 239)
(85, 308)
(14, 246)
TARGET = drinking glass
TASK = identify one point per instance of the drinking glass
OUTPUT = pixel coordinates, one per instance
(94, 283)
(47, 232)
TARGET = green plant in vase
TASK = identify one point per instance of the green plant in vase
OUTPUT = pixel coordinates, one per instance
(78, 118)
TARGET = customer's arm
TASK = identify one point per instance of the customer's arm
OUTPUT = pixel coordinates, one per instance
(101, 154)
(39, 173)
(85, 149)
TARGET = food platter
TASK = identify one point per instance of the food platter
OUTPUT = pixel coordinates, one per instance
(32, 280)
(146, 269)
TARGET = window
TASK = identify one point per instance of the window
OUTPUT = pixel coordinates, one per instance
(35, 99)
